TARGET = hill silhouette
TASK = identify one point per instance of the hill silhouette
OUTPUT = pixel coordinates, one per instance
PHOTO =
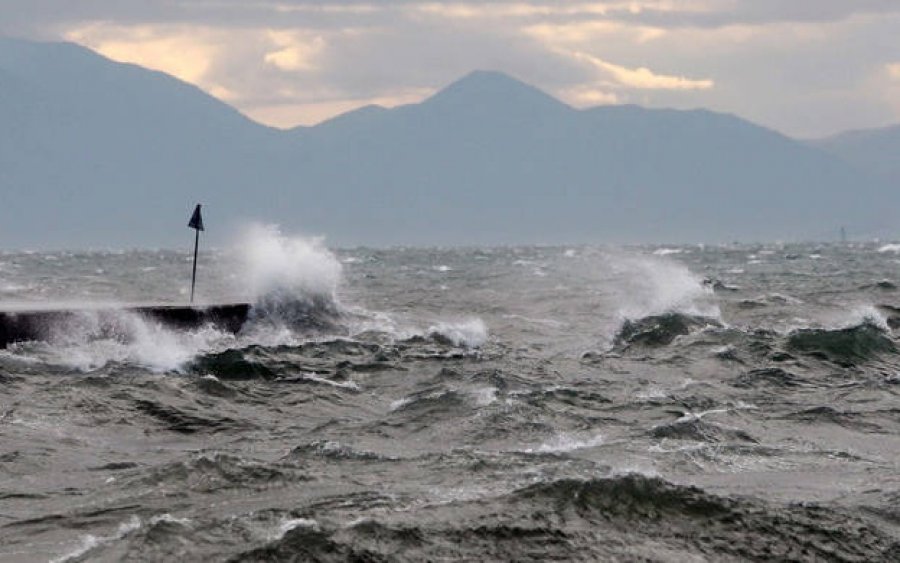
(98, 153)
(874, 150)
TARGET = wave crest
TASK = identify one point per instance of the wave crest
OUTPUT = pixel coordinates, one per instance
(293, 282)
(659, 330)
(846, 347)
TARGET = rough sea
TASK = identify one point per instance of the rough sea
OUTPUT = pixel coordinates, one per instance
(678, 403)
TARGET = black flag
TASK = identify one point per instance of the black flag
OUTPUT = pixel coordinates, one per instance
(196, 221)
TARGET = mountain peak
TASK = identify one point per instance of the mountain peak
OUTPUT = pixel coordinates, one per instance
(487, 79)
(487, 88)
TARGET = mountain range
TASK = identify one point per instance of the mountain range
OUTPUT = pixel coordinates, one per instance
(874, 150)
(95, 153)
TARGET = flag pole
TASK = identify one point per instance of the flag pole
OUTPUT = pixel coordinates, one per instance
(194, 273)
(195, 223)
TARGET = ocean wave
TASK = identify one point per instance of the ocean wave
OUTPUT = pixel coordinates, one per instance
(718, 286)
(627, 496)
(699, 430)
(233, 364)
(272, 262)
(686, 519)
(308, 543)
(91, 340)
(667, 251)
(846, 347)
(638, 516)
(90, 542)
(301, 314)
(329, 449)
(326, 362)
(891, 315)
(648, 286)
(660, 330)
(883, 285)
(827, 414)
(348, 385)
(292, 283)
(566, 442)
(471, 333)
(428, 401)
(767, 300)
(770, 376)
(181, 421)
(209, 473)
(568, 396)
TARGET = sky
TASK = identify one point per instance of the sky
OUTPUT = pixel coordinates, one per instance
(807, 68)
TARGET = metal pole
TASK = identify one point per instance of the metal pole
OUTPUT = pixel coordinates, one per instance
(194, 274)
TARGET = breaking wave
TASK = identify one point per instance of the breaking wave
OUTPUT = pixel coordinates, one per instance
(90, 542)
(293, 283)
(649, 286)
(91, 340)
(844, 346)
(331, 450)
(660, 330)
(657, 300)
(469, 334)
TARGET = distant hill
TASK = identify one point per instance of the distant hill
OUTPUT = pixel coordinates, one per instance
(105, 153)
(97, 153)
(873, 150)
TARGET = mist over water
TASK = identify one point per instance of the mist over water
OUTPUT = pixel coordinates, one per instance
(649, 403)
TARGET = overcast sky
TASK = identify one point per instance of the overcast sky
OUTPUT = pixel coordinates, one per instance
(804, 67)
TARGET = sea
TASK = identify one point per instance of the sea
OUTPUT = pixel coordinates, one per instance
(687, 403)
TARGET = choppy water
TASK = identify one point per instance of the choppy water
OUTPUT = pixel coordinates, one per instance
(671, 404)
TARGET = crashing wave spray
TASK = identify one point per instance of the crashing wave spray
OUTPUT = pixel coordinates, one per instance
(91, 340)
(293, 282)
(651, 286)
(652, 293)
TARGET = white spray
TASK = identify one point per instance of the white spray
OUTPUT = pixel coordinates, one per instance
(273, 263)
(653, 285)
(292, 281)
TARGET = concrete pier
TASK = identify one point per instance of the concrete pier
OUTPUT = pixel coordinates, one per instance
(40, 324)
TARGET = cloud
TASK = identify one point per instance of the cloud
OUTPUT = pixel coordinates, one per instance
(295, 51)
(644, 78)
(887, 82)
(587, 95)
(569, 33)
(248, 67)
(179, 51)
(522, 10)
(299, 61)
(724, 13)
(893, 70)
(40, 16)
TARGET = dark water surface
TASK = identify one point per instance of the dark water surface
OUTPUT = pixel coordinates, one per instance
(648, 404)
